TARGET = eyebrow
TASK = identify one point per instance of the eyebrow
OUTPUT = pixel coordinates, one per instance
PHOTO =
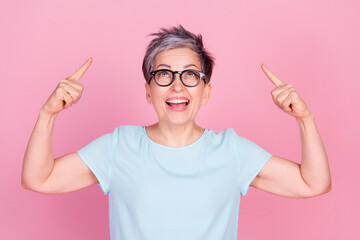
(168, 66)
(165, 65)
(189, 65)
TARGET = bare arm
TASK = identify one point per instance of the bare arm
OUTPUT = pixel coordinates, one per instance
(289, 179)
(286, 178)
(41, 172)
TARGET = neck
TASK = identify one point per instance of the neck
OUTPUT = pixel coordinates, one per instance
(174, 135)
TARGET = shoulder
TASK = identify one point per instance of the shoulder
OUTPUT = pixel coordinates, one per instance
(224, 137)
(128, 131)
(128, 134)
(229, 136)
(121, 132)
(226, 133)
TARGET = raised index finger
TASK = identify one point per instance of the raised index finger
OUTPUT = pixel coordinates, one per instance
(78, 73)
(275, 80)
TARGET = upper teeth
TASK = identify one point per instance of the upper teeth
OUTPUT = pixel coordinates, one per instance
(177, 101)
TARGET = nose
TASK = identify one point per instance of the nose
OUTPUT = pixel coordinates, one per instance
(177, 84)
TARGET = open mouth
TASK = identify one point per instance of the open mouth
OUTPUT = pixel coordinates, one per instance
(177, 104)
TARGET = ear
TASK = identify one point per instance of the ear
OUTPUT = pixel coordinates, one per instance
(148, 95)
(206, 93)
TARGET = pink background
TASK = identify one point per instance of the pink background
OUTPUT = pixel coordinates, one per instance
(314, 45)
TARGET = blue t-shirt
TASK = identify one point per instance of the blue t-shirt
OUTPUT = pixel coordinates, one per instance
(161, 193)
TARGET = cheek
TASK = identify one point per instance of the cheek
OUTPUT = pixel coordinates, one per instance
(156, 96)
(198, 94)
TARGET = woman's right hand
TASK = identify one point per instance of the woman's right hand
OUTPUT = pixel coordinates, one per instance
(67, 92)
(41, 172)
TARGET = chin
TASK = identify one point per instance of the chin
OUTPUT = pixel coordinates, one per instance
(178, 121)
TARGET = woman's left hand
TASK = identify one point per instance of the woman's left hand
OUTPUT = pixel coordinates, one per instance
(286, 97)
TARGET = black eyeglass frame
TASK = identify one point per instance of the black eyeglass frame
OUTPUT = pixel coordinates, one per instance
(202, 75)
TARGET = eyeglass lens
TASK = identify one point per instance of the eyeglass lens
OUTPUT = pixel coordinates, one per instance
(189, 77)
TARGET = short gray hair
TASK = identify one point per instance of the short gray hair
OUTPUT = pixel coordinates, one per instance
(176, 37)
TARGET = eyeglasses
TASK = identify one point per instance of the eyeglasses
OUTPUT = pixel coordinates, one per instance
(165, 77)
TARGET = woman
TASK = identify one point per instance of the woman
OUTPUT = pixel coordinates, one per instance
(174, 179)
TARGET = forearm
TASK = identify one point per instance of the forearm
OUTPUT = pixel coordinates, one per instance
(314, 165)
(38, 159)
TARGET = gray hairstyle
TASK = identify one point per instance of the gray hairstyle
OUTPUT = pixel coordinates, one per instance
(176, 37)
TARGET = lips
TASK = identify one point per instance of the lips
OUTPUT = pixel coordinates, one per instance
(178, 103)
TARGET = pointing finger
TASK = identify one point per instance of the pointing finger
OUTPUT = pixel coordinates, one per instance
(272, 77)
(78, 74)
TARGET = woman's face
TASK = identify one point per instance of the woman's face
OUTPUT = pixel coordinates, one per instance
(177, 104)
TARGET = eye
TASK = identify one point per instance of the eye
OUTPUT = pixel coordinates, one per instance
(164, 74)
(190, 74)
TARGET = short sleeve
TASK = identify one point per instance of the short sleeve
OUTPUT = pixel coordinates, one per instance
(97, 155)
(251, 158)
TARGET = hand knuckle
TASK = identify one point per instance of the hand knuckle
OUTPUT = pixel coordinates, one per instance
(59, 90)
